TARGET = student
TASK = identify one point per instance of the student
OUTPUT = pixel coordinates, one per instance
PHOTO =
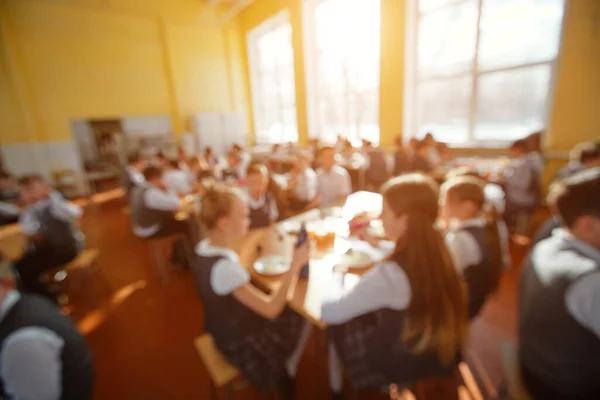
(210, 157)
(584, 155)
(9, 190)
(244, 156)
(495, 203)
(420, 161)
(177, 180)
(333, 181)
(49, 221)
(232, 168)
(559, 325)
(433, 154)
(153, 207)
(134, 175)
(520, 183)
(198, 169)
(303, 185)
(401, 158)
(262, 204)
(377, 171)
(160, 160)
(407, 317)
(43, 355)
(257, 333)
(473, 237)
(534, 151)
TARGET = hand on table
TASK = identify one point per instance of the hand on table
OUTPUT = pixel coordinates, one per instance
(363, 235)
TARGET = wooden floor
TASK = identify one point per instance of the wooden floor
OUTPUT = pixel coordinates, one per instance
(141, 331)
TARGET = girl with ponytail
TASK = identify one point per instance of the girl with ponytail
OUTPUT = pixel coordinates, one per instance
(407, 317)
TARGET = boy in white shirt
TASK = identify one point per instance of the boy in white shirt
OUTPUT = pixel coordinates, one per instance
(176, 179)
(303, 185)
(333, 181)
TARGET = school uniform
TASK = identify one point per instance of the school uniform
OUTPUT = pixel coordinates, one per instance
(9, 213)
(60, 240)
(522, 191)
(152, 212)
(466, 241)
(365, 327)
(494, 196)
(258, 347)
(537, 161)
(559, 324)
(420, 164)
(333, 184)
(377, 172)
(545, 230)
(401, 162)
(178, 181)
(132, 178)
(42, 355)
(305, 190)
(262, 211)
(571, 168)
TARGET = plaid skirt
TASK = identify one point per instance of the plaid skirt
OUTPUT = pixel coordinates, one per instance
(373, 355)
(261, 355)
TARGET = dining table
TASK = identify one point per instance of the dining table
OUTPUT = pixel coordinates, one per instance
(12, 241)
(309, 294)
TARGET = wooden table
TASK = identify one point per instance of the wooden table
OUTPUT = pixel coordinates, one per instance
(12, 241)
(309, 292)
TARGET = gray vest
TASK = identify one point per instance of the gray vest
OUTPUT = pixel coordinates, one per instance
(57, 233)
(555, 349)
(141, 214)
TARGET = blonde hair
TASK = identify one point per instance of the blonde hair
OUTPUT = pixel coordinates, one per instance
(468, 188)
(216, 204)
(436, 318)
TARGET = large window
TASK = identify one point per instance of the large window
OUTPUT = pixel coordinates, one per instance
(271, 60)
(479, 71)
(342, 40)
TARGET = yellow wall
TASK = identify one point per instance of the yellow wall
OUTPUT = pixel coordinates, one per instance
(575, 113)
(82, 59)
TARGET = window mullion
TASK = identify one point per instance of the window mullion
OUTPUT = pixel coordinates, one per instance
(475, 77)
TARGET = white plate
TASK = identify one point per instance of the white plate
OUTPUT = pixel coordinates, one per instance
(272, 265)
(356, 259)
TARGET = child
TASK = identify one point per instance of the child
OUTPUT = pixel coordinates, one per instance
(210, 157)
(176, 179)
(256, 333)
(534, 151)
(420, 161)
(263, 207)
(521, 183)
(49, 221)
(407, 317)
(303, 185)
(584, 155)
(9, 195)
(559, 325)
(473, 238)
(432, 155)
(232, 168)
(333, 181)
(401, 158)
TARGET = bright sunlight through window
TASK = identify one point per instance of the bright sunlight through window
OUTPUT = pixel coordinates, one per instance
(479, 71)
(271, 61)
(342, 40)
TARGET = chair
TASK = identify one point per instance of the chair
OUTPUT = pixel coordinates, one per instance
(510, 363)
(157, 249)
(86, 261)
(222, 374)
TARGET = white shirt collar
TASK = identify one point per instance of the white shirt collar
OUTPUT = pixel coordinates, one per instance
(206, 249)
(588, 250)
(9, 301)
(478, 222)
(256, 203)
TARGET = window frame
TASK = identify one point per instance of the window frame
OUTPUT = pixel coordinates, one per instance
(257, 75)
(411, 123)
(315, 95)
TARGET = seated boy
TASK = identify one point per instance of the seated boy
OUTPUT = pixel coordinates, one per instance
(559, 297)
(262, 204)
(232, 168)
(333, 181)
(302, 193)
(49, 220)
(521, 183)
(420, 160)
(584, 155)
(176, 179)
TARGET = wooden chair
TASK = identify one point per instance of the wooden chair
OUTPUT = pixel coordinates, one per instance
(222, 374)
(86, 262)
(510, 363)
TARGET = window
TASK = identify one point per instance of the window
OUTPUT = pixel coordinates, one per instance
(342, 40)
(481, 69)
(271, 60)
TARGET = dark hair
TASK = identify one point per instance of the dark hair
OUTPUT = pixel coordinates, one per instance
(436, 318)
(585, 152)
(520, 144)
(208, 149)
(420, 144)
(469, 188)
(173, 163)
(152, 172)
(134, 159)
(5, 175)
(576, 196)
(236, 146)
(162, 155)
(27, 180)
